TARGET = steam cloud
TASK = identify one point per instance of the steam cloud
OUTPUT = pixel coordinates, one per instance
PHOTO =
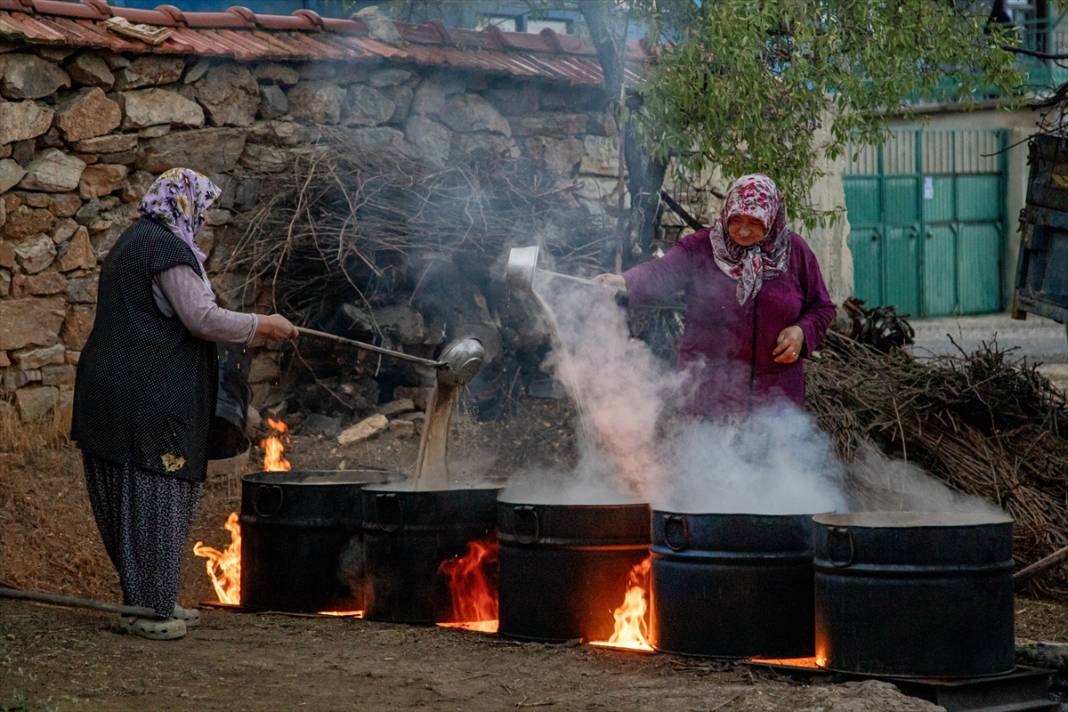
(776, 461)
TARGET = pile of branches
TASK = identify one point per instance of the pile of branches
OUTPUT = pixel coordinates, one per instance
(348, 218)
(983, 423)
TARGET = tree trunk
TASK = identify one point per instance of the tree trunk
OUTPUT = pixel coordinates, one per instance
(644, 174)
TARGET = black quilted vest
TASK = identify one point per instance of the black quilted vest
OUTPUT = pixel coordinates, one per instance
(145, 391)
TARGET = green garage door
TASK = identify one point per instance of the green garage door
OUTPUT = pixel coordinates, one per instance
(927, 220)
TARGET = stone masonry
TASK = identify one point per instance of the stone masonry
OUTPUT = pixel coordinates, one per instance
(84, 133)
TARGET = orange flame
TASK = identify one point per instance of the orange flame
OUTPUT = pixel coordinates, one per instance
(632, 622)
(273, 459)
(343, 614)
(472, 584)
(224, 567)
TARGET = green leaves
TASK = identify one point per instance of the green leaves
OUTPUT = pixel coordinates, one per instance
(777, 86)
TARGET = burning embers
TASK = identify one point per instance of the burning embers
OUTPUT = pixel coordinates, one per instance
(473, 587)
(274, 446)
(632, 618)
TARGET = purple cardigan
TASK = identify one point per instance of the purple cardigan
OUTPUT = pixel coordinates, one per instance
(726, 348)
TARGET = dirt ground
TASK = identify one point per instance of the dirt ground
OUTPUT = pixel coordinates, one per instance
(59, 659)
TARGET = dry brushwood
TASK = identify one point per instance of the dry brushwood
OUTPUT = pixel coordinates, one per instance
(981, 423)
(347, 221)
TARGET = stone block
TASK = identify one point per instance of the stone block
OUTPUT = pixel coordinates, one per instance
(430, 139)
(209, 151)
(79, 253)
(403, 428)
(429, 98)
(403, 323)
(64, 230)
(87, 113)
(26, 76)
(464, 145)
(7, 255)
(154, 131)
(229, 94)
(5, 283)
(36, 358)
(279, 133)
(35, 200)
(64, 205)
(10, 174)
(36, 254)
(316, 101)
(76, 327)
(151, 107)
(150, 70)
(22, 120)
(262, 158)
(559, 155)
(264, 367)
(515, 98)
(113, 143)
(470, 112)
(420, 396)
(556, 123)
(366, 106)
(325, 425)
(89, 69)
(380, 139)
(397, 407)
(24, 221)
(363, 430)
(4, 363)
(36, 403)
(388, 77)
(72, 357)
(82, 290)
(273, 102)
(61, 375)
(101, 179)
(136, 185)
(37, 285)
(197, 71)
(402, 97)
(53, 171)
(600, 156)
(30, 322)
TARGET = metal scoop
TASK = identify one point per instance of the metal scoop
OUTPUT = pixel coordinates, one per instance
(523, 265)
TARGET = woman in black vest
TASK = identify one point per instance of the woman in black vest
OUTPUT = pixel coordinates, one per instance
(145, 394)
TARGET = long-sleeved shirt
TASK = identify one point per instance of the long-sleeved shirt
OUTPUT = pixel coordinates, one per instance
(726, 348)
(181, 292)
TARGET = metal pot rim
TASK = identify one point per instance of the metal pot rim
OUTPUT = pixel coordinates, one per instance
(532, 502)
(912, 520)
(678, 513)
(323, 478)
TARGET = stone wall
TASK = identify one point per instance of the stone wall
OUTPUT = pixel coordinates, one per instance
(84, 133)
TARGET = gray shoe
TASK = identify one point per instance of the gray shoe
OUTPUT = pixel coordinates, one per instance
(190, 616)
(153, 628)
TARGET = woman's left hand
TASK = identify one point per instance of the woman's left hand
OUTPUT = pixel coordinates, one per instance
(788, 345)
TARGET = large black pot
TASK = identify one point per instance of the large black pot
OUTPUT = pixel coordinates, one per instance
(564, 567)
(914, 594)
(407, 535)
(732, 585)
(300, 539)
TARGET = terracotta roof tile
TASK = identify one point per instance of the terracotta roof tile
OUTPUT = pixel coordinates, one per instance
(242, 34)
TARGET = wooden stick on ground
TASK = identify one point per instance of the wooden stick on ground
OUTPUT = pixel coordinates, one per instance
(1041, 565)
(76, 602)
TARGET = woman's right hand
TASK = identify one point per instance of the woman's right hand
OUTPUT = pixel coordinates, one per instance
(275, 327)
(610, 279)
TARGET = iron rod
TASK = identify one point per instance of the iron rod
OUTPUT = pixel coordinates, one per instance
(371, 347)
(76, 602)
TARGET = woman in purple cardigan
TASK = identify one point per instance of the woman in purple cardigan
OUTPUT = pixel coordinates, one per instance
(756, 304)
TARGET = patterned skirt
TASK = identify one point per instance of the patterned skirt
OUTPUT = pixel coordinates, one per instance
(144, 520)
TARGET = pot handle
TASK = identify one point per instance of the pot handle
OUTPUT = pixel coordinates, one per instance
(391, 515)
(679, 525)
(841, 532)
(268, 501)
(531, 513)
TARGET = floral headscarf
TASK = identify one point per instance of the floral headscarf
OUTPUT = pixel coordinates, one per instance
(179, 200)
(755, 196)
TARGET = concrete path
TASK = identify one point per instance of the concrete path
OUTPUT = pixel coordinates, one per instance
(1036, 338)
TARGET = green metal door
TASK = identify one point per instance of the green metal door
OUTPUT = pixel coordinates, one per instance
(927, 220)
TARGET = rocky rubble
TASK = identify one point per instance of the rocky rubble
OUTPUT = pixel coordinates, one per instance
(83, 134)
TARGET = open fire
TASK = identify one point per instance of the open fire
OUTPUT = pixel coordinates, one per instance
(472, 586)
(632, 617)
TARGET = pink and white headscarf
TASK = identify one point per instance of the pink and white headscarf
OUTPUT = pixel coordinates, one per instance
(755, 196)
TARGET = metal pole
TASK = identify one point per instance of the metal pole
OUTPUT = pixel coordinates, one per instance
(371, 347)
(76, 602)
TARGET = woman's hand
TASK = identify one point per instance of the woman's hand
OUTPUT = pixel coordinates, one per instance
(275, 327)
(614, 281)
(788, 345)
